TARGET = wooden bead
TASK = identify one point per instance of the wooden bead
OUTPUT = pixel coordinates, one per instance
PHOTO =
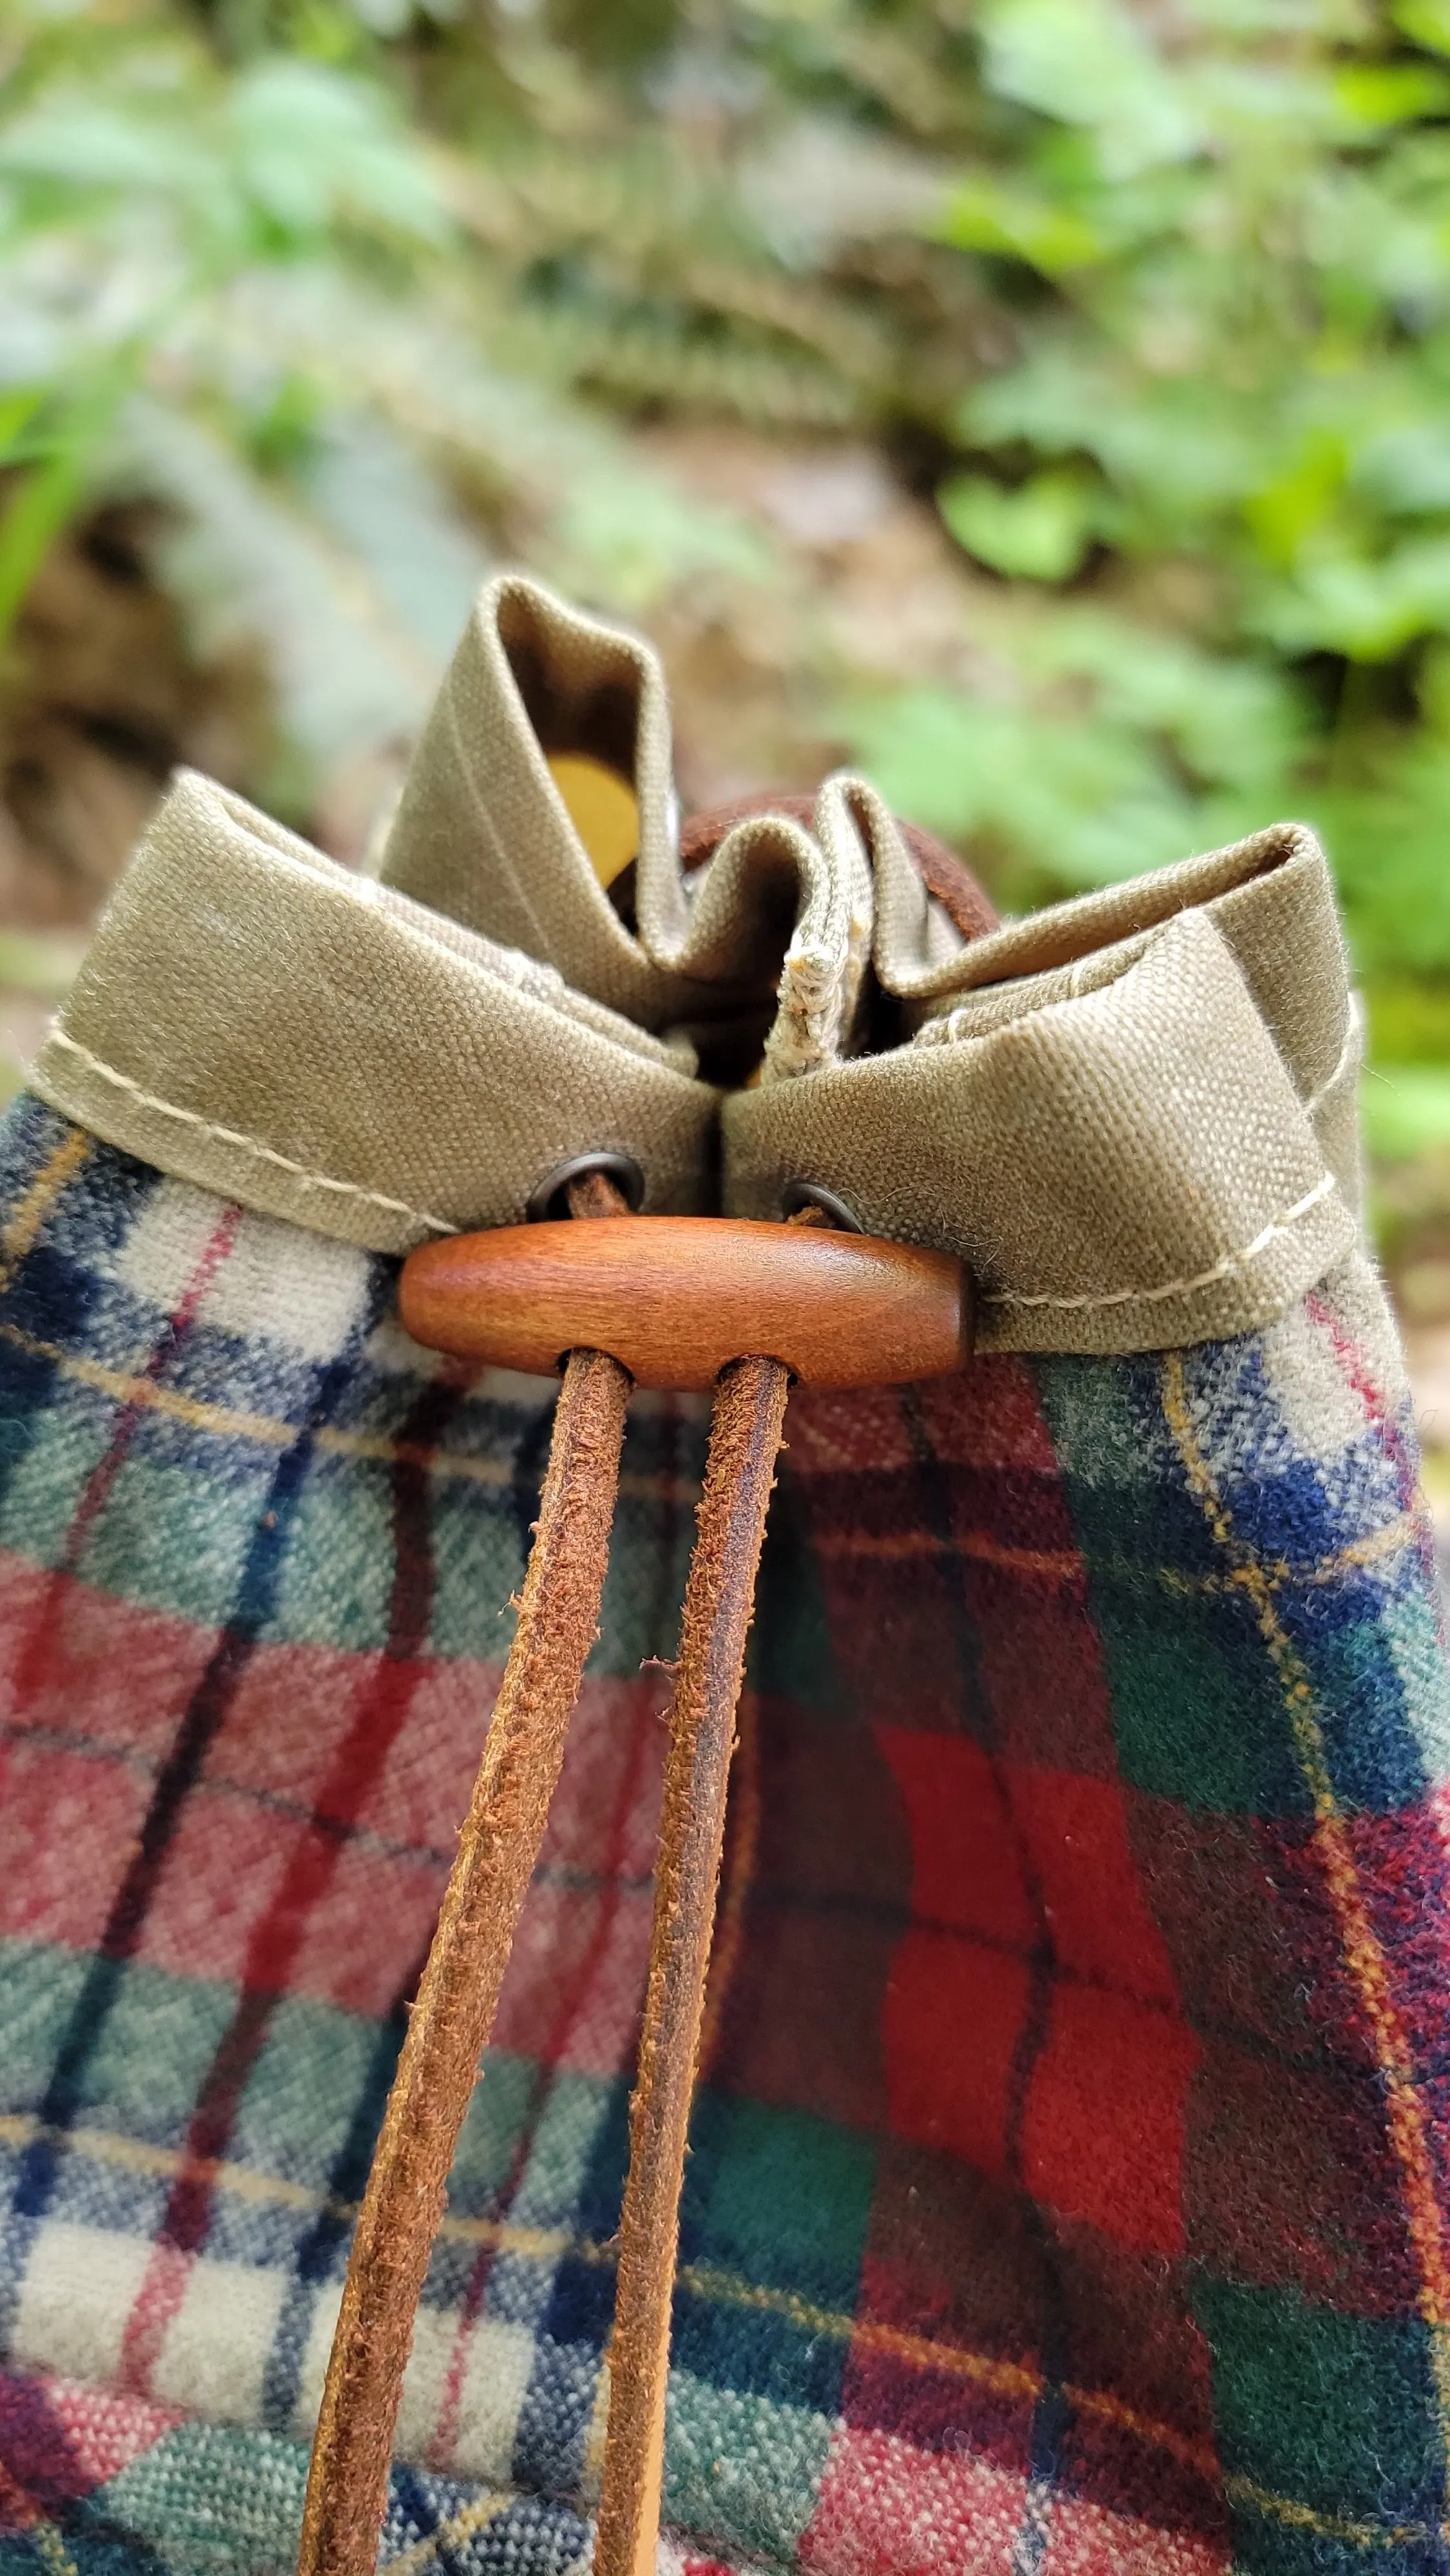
(674, 1297)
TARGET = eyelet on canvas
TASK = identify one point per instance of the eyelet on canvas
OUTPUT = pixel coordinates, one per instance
(550, 1199)
(797, 1195)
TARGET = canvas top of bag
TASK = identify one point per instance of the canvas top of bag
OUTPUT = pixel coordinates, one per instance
(1132, 1115)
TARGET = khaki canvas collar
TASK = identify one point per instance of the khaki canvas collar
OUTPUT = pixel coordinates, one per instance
(1133, 1115)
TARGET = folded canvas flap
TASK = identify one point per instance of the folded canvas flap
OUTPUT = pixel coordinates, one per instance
(1133, 1114)
(483, 834)
(253, 1018)
(1130, 1169)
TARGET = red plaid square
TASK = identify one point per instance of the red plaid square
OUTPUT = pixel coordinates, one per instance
(883, 2504)
(296, 1707)
(1103, 2129)
(359, 1923)
(966, 1863)
(1084, 2539)
(575, 1983)
(954, 2015)
(75, 1659)
(222, 1874)
(68, 1827)
(1076, 1835)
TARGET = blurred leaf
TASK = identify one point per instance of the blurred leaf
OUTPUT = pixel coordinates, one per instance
(314, 148)
(1390, 835)
(45, 494)
(983, 215)
(1228, 722)
(637, 536)
(1087, 62)
(1377, 94)
(1037, 533)
(1408, 1022)
(248, 559)
(384, 17)
(1425, 22)
(1405, 470)
(1368, 611)
(1406, 1109)
(1084, 803)
(18, 411)
(1285, 514)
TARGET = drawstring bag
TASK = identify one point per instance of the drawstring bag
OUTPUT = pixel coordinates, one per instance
(1057, 2000)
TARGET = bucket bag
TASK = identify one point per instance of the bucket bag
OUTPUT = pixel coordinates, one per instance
(964, 2078)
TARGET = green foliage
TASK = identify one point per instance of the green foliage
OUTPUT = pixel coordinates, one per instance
(1117, 749)
(1155, 304)
(1039, 532)
(1406, 1109)
(244, 279)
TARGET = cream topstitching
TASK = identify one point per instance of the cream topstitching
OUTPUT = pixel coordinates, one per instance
(1223, 1268)
(249, 1144)
(1348, 1063)
(1227, 1263)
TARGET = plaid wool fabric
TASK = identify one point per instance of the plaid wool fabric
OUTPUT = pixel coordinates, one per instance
(1068, 2183)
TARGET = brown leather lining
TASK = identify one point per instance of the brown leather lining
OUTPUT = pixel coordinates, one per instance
(942, 872)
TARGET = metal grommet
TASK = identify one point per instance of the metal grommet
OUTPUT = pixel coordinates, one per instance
(803, 1194)
(548, 1199)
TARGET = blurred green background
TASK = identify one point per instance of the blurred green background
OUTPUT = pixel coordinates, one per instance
(1045, 403)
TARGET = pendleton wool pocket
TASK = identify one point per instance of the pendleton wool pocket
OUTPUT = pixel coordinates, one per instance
(1067, 2183)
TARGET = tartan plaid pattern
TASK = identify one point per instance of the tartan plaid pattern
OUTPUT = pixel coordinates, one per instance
(1067, 2188)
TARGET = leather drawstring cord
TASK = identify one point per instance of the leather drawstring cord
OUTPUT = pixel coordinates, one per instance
(746, 1430)
(458, 1994)
(457, 1997)
(745, 1439)
(451, 2019)
(864, 1313)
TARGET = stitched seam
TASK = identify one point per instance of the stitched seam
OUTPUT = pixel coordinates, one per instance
(1348, 1063)
(1222, 1268)
(248, 1144)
